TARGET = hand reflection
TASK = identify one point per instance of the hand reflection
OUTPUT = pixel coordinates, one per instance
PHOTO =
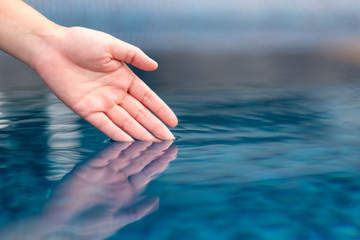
(101, 196)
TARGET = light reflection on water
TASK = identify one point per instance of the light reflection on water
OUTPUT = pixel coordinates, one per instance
(276, 161)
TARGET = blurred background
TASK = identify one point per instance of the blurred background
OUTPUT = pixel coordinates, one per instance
(234, 37)
(204, 39)
(235, 25)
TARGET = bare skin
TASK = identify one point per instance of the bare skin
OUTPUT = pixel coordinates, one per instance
(86, 70)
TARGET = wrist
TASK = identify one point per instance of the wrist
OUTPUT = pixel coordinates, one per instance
(43, 40)
(24, 32)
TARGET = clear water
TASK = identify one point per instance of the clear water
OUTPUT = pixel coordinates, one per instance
(264, 159)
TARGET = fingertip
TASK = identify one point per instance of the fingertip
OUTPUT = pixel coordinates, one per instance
(173, 149)
(173, 121)
(163, 133)
(171, 138)
(151, 65)
(156, 140)
(149, 139)
(150, 60)
(168, 116)
(155, 63)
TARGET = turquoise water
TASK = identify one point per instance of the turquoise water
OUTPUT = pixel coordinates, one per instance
(250, 161)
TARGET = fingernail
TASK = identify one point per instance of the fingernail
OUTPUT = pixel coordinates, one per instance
(127, 139)
(164, 134)
(157, 65)
(130, 140)
(153, 139)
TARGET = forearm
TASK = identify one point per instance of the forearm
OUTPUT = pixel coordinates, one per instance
(24, 32)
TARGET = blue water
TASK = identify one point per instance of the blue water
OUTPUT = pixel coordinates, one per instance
(250, 161)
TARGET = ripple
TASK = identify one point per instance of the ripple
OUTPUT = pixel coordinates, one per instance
(251, 161)
(270, 115)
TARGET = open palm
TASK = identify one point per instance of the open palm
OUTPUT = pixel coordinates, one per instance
(86, 70)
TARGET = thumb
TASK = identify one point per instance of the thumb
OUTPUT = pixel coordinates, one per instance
(130, 54)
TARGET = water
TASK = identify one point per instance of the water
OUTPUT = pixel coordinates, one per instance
(261, 153)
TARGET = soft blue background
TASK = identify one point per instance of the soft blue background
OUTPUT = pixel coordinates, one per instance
(211, 23)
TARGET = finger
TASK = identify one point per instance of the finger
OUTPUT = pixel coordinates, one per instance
(157, 166)
(108, 154)
(126, 216)
(127, 123)
(146, 157)
(99, 176)
(160, 164)
(143, 116)
(148, 98)
(159, 147)
(105, 125)
(134, 150)
(130, 54)
(126, 157)
(135, 170)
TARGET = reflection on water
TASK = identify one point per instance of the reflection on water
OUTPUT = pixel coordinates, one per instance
(64, 138)
(99, 196)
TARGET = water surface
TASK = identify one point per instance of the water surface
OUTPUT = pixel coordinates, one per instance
(271, 159)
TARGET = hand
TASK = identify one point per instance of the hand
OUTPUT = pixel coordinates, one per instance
(99, 196)
(86, 70)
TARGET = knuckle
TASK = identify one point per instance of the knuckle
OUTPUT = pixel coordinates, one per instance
(120, 97)
(102, 124)
(147, 96)
(140, 114)
(130, 56)
(110, 110)
(132, 82)
(127, 123)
